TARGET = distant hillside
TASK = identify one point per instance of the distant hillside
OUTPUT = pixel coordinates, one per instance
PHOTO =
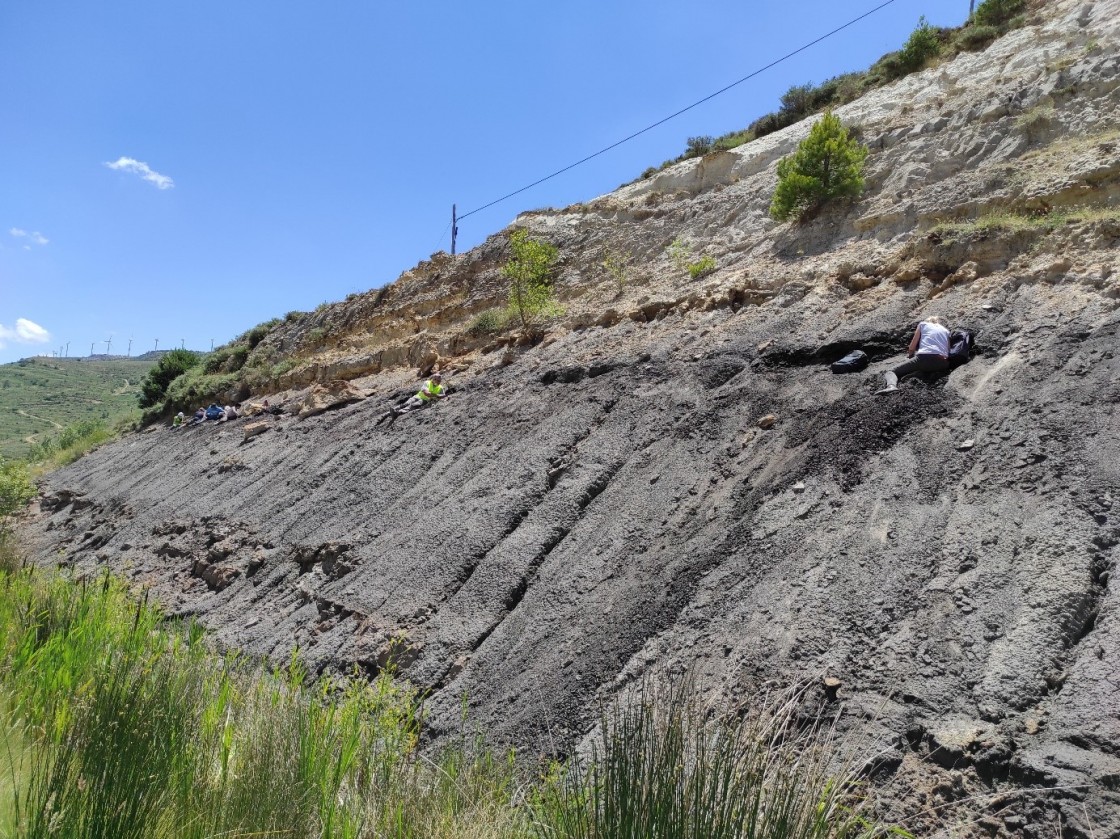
(41, 395)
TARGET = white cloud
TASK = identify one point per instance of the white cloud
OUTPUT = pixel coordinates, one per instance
(128, 164)
(35, 236)
(25, 332)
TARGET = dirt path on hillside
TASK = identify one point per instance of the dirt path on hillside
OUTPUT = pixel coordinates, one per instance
(24, 413)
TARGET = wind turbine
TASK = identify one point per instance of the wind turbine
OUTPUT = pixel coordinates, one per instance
(129, 346)
(157, 345)
(91, 343)
(67, 349)
(108, 344)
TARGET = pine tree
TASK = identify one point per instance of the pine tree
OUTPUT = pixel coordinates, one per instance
(828, 164)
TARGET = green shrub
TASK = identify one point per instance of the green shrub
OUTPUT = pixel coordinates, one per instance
(167, 369)
(975, 38)
(529, 270)
(679, 253)
(617, 267)
(281, 367)
(922, 45)
(316, 337)
(258, 333)
(997, 12)
(701, 267)
(732, 140)
(799, 99)
(828, 164)
(847, 88)
(16, 489)
(490, 322)
(885, 70)
(698, 147)
(71, 442)
(197, 388)
(237, 357)
(770, 123)
(216, 360)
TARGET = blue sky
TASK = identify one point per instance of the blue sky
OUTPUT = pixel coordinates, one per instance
(183, 171)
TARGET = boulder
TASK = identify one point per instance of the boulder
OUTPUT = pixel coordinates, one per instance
(327, 397)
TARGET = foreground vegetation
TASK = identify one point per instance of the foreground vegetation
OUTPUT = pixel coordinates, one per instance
(121, 724)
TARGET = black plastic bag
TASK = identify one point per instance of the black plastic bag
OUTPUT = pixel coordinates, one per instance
(853, 362)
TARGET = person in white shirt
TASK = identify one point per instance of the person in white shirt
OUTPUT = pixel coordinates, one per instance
(928, 352)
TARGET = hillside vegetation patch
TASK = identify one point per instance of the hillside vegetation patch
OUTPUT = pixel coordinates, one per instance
(41, 396)
(1009, 221)
(925, 45)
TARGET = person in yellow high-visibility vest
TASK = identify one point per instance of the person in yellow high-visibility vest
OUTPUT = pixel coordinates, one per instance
(433, 390)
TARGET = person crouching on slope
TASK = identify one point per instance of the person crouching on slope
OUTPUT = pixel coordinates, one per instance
(432, 390)
(928, 352)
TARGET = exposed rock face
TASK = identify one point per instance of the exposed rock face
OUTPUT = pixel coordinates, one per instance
(673, 478)
(329, 397)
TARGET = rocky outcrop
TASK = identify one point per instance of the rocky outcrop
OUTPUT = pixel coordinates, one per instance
(671, 479)
(329, 397)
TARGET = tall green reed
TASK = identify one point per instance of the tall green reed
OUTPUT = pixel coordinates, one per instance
(663, 767)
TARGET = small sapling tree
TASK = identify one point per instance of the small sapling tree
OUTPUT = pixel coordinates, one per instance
(616, 264)
(529, 270)
(828, 164)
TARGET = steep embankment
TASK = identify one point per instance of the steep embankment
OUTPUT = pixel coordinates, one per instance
(606, 502)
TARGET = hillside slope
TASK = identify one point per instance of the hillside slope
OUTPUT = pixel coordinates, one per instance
(605, 503)
(39, 396)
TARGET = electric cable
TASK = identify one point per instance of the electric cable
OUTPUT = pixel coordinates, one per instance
(747, 77)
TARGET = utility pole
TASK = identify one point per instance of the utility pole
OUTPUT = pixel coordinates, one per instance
(454, 229)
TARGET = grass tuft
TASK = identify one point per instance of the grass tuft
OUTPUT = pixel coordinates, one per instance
(1007, 221)
(665, 766)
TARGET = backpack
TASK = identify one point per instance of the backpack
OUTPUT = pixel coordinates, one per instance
(853, 362)
(961, 342)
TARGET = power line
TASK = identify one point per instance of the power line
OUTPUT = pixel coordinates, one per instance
(442, 236)
(774, 63)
